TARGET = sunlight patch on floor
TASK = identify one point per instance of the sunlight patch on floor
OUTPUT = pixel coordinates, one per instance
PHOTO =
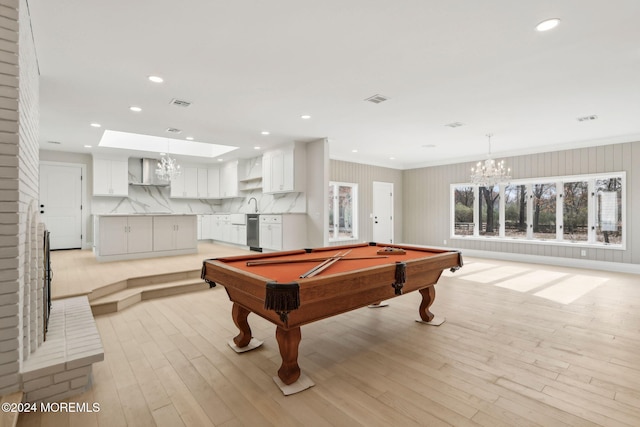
(572, 288)
(470, 268)
(495, 274)
(531, 281)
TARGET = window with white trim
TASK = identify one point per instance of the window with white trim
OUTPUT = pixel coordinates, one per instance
(343, 211)
(586, 210)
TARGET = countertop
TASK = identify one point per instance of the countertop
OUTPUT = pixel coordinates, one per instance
(146, 214)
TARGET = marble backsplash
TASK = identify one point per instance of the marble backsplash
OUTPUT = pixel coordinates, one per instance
(154, 199)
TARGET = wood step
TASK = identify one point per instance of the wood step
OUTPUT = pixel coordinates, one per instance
(8, 418)
(124, 298)
(142, 281)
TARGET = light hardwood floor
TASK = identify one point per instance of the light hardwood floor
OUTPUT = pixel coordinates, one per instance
(523, 345)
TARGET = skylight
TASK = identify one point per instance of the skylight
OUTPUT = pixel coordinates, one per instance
(156, 144)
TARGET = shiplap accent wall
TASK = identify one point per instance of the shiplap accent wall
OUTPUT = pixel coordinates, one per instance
(364, 176)
(426, 200)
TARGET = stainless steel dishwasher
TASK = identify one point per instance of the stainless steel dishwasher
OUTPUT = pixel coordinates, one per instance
(253, 232)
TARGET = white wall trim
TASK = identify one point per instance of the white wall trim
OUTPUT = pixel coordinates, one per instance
(557, 261)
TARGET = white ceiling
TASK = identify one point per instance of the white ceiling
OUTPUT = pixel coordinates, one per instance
(254, 65)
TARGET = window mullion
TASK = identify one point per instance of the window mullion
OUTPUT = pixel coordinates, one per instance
(559, 210)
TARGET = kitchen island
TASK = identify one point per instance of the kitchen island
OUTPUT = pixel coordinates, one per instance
(122, 236)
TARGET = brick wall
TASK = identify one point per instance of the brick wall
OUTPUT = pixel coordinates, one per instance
(19, 271)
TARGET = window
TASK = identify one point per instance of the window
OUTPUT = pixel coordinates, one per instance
(609, 210)
(587, 210)
(489, 201)
(575, 211)
(463, 200)
(343, 211)
(515, 210)
(544, 211)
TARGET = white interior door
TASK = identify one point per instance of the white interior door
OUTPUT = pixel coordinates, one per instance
(383, 212)
(61, 204)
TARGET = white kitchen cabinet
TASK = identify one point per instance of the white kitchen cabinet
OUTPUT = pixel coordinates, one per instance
(110, 177)
(174, 232)
(271, 232)
(229, 180)
(283, 169)
(203, 184)
(283, 232)
(217, 225)
(185, 185)
(238, 234)
(213, 182)
(205, 227)
(124, 235)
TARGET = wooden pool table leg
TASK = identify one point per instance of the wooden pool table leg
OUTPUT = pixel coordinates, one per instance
(428, 296)
(239, 315)
(288, 342)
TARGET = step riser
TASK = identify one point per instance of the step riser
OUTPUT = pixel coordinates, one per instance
(107, 290)
(162, 278)
(165, 292)
(114, 306)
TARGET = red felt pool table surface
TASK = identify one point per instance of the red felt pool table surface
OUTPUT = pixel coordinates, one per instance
(284, 272)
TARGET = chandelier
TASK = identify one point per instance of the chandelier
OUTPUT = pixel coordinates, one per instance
(490, 172)
(168, 168)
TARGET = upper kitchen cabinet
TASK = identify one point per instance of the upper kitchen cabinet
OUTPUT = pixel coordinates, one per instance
(110, 177)
(192, 183)
(229, 180)
(250, 174)
(283, 169)
(213, 182)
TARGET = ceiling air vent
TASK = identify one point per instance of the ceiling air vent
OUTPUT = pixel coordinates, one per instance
(587, 118)
(174, 130)
(55, 142)
(377, 99)
(454, 125)
(180, 102)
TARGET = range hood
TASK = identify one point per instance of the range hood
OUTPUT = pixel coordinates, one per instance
(147, 174)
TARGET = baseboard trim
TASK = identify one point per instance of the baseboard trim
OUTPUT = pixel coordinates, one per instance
(616, 267)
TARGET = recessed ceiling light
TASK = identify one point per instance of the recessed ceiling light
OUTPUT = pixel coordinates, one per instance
(156, 79)
(220, 160)
(548, 24)
(189, 138)
(87, 146)
(256, 148)
(163, 154)
(354, 151)
(305, 117)
(135, 109)
(392, 158)
(265, 132)
(96, 125)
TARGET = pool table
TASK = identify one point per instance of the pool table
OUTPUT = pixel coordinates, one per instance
(270, 285)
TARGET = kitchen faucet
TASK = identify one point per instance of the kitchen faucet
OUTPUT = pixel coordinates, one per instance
(254, 199)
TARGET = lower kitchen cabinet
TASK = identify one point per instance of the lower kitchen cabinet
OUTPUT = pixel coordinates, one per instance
(283, 232)
(125, 235)
(174, 232)
(118, 237)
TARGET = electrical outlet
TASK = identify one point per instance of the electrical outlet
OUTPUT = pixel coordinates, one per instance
(583, 252)
(444, 241)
